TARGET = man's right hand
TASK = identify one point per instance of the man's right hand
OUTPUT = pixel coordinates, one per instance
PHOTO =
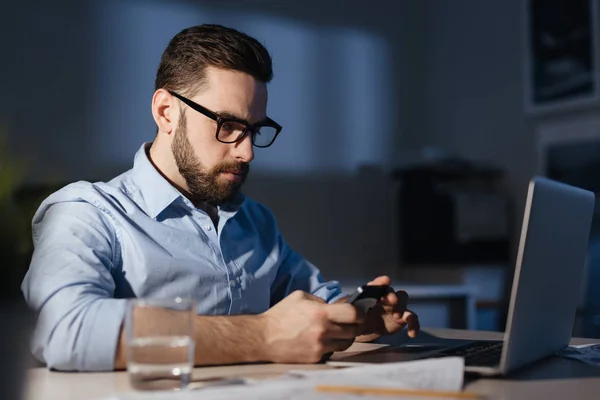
(302, 328)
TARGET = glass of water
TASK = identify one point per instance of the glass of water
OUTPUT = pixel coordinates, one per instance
(160, 343)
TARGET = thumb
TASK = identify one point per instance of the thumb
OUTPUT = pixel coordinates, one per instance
(380, 280)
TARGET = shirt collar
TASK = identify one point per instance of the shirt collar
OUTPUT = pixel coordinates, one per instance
(158, 193)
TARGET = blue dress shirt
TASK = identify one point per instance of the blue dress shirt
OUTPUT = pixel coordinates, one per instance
(97, 244)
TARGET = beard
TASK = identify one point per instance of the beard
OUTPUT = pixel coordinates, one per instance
(204, 184)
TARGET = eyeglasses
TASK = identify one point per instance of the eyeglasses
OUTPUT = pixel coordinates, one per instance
(231, 130)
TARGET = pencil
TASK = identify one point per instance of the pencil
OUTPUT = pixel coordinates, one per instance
(395, 392)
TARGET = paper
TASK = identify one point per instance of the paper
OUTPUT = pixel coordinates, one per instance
(271, 390)
(434, 374)
(443, 374)
(587, 353)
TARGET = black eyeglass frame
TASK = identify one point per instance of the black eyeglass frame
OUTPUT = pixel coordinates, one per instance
(268, 122)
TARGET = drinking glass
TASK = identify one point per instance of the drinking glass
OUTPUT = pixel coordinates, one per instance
(160, 343)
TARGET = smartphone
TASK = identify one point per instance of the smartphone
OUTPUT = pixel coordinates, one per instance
(365, 297)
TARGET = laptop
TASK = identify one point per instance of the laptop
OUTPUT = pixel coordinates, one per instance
(545, 293)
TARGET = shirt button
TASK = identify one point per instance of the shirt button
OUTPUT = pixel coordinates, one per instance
(207, 227)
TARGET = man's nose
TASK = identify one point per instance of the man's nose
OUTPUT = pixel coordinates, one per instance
(243, 150)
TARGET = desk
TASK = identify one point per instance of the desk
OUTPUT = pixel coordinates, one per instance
(553, 378)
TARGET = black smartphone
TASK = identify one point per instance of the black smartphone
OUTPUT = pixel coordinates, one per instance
(366, 297)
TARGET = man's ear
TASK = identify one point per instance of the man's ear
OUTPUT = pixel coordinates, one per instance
(164, 111)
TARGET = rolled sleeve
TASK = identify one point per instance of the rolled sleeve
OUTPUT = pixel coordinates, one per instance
(69, 284)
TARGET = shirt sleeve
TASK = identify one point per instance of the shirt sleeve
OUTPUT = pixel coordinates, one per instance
(296, 273)
(69, 284)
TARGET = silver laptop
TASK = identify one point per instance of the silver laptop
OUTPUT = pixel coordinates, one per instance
(545, 293)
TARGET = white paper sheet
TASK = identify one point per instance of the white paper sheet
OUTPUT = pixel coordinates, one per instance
(433, 374)
(444, 374)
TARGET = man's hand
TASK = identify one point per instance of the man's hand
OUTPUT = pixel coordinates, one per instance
(302, 328)
(390, 315)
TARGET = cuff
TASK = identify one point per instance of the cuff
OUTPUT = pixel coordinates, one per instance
(106, 318)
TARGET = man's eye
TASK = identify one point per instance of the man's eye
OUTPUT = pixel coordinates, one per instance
(228, 126)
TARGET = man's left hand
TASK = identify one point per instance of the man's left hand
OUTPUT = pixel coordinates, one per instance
(389, 315)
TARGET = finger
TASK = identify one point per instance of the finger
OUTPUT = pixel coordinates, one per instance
(412, 321)
(395, 302)
(402, 298)
(344, 313)
(380, 280)
(343, 331)
(298, 295)
(390, 299)
(337, 345)
(312, 297)
(414, 326)
(399, 316)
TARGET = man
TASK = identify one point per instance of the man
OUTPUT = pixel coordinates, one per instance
(177, 225)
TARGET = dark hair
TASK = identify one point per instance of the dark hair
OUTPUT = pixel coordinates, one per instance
(183, 63)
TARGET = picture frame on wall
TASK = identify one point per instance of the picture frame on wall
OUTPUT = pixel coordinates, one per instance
(561, 62)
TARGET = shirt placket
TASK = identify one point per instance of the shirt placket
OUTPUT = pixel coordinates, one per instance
(233, 281)
(233, 273)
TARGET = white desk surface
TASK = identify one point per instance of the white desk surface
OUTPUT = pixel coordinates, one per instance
(553, 378)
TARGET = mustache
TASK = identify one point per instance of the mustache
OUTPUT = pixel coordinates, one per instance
(239, 168)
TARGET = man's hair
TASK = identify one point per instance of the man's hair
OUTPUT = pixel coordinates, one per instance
(184, 61)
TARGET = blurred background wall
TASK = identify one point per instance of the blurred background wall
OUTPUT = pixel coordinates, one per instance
(361, 89)
(81, 76)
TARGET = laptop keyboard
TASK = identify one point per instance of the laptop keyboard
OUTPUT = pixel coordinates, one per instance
(477, 354)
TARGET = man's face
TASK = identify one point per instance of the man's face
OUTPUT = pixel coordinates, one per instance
(215, 171)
